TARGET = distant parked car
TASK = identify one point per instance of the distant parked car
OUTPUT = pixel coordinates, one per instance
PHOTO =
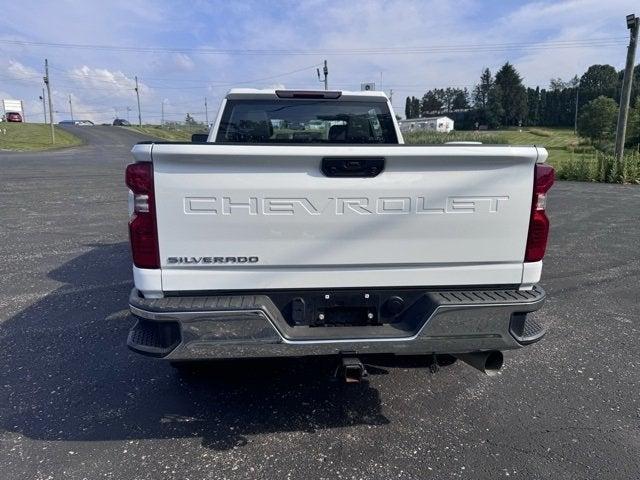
(121, 122)
(13, 117)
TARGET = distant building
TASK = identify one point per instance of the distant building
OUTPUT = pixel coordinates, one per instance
(429, 124)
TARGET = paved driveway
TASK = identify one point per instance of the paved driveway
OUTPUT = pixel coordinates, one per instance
(75, 403)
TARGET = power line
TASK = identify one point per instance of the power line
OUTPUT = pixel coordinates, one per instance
(209, 84)
(397, 50)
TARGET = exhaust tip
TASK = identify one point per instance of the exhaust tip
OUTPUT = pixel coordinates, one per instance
(488, 363)
(493, 363)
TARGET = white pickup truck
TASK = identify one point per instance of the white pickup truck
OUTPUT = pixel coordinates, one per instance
(304, 226)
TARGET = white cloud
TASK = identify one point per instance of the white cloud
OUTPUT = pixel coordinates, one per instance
(21, 73)
(114, 83)
(102, 81)
(183, 62)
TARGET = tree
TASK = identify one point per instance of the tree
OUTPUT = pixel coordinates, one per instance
(431, 102)
(574, 82)
(598, 119)
(598, 80)
(481, 91)
(480, 98)
(557, 84)
(415, 107)
(461, 100)
(633, 126)
(494, 110)
(533, 104)
(407, 108)
(635, 85)
(513, 95)
(448, 95)
(189, 120)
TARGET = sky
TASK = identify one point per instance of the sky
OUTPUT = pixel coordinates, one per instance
(185, 51)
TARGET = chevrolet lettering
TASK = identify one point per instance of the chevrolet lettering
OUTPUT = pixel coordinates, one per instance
(342, 206)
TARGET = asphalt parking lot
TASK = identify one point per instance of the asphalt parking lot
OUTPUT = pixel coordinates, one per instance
(75, 403)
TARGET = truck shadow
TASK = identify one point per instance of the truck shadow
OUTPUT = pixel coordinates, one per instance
(67, 375)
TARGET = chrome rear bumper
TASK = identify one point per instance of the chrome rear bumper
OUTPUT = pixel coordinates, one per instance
(240, 326)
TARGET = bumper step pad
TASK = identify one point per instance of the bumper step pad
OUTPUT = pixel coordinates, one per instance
(526, 329)
(153, 338)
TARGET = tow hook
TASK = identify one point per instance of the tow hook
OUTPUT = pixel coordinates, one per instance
(351, 370)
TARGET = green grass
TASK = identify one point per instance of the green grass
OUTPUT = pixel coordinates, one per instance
(25, 137)
(434, 138)
(173, 134)
(550, 138)
(559, 142)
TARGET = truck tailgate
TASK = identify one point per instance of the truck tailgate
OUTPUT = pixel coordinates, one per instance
(266, 217)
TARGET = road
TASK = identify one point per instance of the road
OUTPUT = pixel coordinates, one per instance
(75, 403)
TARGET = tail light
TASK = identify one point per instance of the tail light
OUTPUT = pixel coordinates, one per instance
(539, 223)
(143, 232)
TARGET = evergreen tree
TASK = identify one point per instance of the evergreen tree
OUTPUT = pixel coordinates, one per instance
(448, 95)
(415, 107)
(494, 110)
(461, 100)
(407, 108)
(542, 108)
(431, 102)
(533, 102)
(513, 95)
(481, 91)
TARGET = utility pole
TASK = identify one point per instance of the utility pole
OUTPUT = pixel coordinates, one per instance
(325, 70)
(47, 82)
(633, 23)
(44, 106)
(206, 111)
(575, 114)
(138, 98)
(70, 107)
(128, 110)
(162, 114)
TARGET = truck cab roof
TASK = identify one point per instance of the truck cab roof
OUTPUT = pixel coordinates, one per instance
(271, 93)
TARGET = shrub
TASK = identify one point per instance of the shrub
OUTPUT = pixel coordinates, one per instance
(599, 167)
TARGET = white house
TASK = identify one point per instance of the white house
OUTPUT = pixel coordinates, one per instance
(430, 124)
